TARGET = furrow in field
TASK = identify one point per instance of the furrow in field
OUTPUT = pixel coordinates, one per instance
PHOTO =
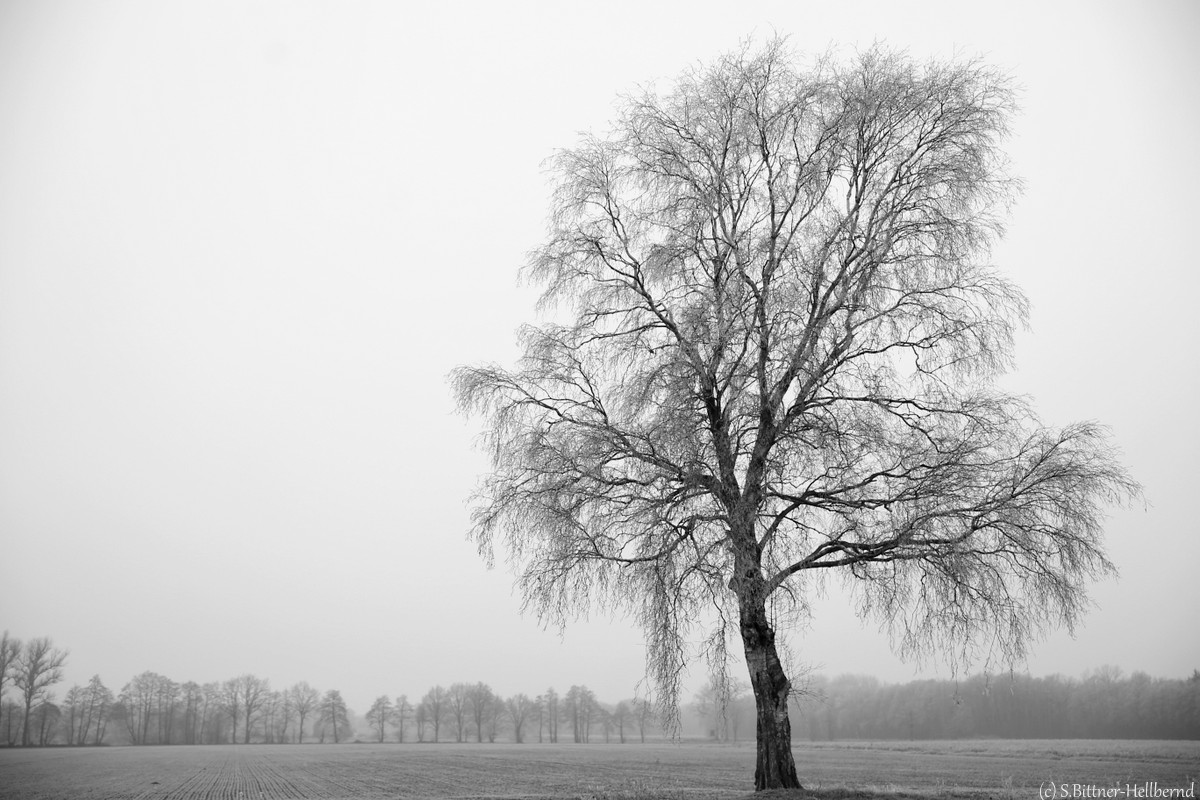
(281, 779)
(694, 771)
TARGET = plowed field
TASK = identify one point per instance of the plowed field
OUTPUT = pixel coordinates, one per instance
(1009, 770)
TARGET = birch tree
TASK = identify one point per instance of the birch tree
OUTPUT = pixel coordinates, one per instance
(770, 352)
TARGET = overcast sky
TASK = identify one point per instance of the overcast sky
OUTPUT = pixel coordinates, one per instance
(242, 245)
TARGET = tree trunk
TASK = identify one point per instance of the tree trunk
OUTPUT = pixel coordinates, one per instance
(774, 768)
(28, 717)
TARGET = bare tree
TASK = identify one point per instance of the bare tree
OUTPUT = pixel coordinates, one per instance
(274, 717)
(621, 716)
(550, 707)
(304, 700)
(422, 720)
(285, 710)
(98, 704)
(166, 698)
(643, 711)
(36, 669)
(231, 700)
(400, 713)
(493, 717)
(211, 715)
(252, 692)
(519, 708)
(138, 703)
(720, 705)
(11, 709)
(72, 709)
(581, 708)
(334, 716)
(607, 723)
(378, 716)
(10, 651)
(433, 710)
(480, 700)
(46, 717)
(193, 698)
(456, 706)
(775, 358)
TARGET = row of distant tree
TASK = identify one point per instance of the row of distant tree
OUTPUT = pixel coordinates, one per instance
(1104, 704)
(154, 709)
(473, 712)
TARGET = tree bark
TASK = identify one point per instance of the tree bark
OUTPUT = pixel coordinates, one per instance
(775, 768)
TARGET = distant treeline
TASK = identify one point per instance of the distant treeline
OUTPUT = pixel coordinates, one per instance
(1101, 705)
(154, 709)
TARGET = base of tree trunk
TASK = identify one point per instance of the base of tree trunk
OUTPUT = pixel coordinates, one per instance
(774, 766)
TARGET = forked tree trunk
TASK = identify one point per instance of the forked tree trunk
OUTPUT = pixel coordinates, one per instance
(774, 768)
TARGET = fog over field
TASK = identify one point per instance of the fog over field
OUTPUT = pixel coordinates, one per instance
(242, 246)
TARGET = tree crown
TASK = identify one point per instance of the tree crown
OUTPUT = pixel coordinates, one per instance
(776, 338)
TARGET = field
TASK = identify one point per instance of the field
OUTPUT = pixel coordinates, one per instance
(977, 769)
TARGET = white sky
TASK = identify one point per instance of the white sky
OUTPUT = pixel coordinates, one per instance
(241, 246)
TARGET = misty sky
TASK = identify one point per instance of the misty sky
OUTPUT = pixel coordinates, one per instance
(242, 245)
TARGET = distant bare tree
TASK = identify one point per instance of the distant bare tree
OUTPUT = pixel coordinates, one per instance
(72, 713)
(86, 707)
(98, 704)
(12, 709)
(251, 692)
(166, 697)
(231, 699)
(10, 651)
(480, 700)
(456, 705)
(378, 716)
(493, 717)
(422, 720)
(607, 722)
(519, 707)
(274, 717)
(284, 712)
(401, 710)
(138, 702)
(580, 708)
(39, 666)
(334, 716)
(211, 715)
(539, 711)
(775, 355)
(721, 703)
(46, 717)
(304, 700)
(622, 715)
(433, 707)
(643, 712)
(550, 708)
(192, 697)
